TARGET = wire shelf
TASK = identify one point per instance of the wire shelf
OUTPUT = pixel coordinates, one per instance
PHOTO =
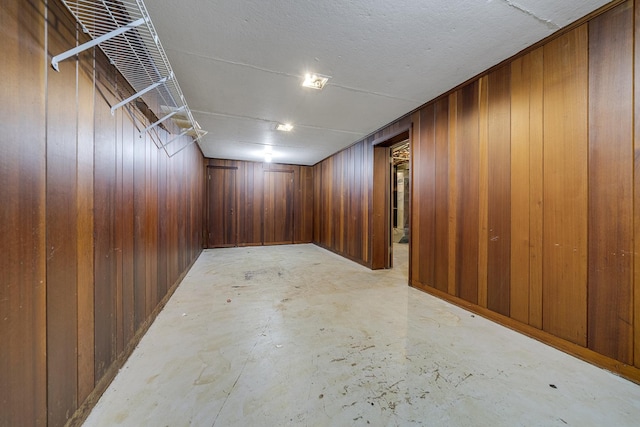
(124, 32)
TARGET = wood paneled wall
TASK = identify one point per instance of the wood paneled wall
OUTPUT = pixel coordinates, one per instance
(98, 225)
(23, 364)
(251, 203)
(540, 192)
(346, 220)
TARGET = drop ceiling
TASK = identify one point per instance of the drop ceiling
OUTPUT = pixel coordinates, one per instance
(241, 63)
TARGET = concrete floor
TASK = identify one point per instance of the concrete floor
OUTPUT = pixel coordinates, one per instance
(298, 336)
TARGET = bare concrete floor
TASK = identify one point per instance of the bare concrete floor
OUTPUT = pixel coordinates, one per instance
(298, 336)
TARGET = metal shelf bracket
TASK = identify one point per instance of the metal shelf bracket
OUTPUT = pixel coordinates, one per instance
(168, 116)
(186, 131)
(140, 93)
(76, 50)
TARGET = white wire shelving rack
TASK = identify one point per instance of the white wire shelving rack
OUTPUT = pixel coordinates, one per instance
(124, 32)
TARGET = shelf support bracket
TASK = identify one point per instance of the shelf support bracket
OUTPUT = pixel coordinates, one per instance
(139, 94)
(179, 136)
(168, 116)
(76, 50)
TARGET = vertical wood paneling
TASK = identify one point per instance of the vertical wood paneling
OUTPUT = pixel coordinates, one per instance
(636, 191)
(453, 120)
(343, 202)
(467, 203)
(183, 206)
(348, 184)
(239, 198)
(278, 206)
(367, 202)
(565, 186)
(23, 375)
(380, 212)
(356, 211)
(303, 211)
(152, 228)
(104, 224)
(317, 194)
(174, 205)
(483, 189)
(84, 207)
(499, 194)
(423, 191)
(520, 207)
(337, 226)
(610, 308)
(163, 227)
(75, 288)
(127, 229)
(536, 135)
(119, 220)
(441, 262)
(197, 201)
(244, 205)
(451, 167)
(222, 206)
(348, 198)
(141, 256)
(62, 382)
(258, 204)
(327, 202)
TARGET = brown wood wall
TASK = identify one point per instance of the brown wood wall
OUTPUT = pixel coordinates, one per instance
(348, 219)
(540, 191)
(97, 224)
(251, 203)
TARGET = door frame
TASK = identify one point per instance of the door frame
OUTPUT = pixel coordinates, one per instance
(381, 229)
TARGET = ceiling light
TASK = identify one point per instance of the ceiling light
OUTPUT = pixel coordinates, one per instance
(268, 153)
(285, 127)
(315, 81)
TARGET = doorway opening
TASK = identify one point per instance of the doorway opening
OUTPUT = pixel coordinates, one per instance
(400, 186)
(391, 202)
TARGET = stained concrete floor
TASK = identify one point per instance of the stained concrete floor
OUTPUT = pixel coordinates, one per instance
(298, 336)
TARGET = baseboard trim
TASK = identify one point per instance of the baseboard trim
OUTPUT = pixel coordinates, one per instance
(616, 367)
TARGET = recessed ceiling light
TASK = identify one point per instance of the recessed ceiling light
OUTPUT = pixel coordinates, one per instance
(315, 81)
(285, 127)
